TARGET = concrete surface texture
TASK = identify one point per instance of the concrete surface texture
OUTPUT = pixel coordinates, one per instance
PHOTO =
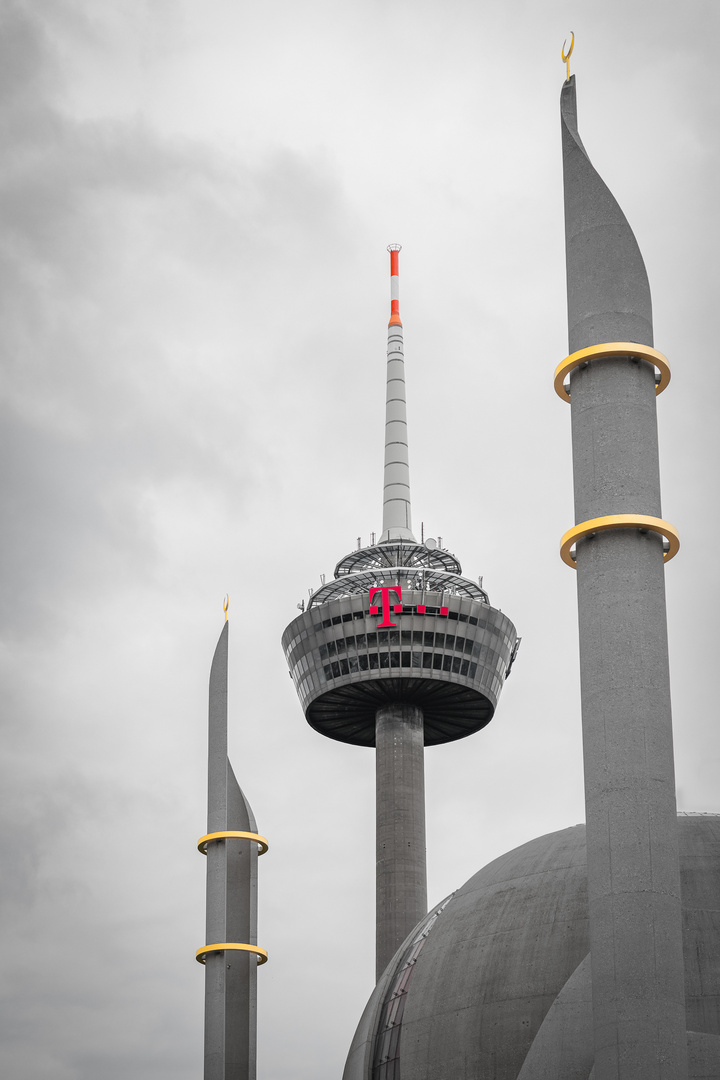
(501, 987)
(633, 871)
(230, 976)
(401, 872)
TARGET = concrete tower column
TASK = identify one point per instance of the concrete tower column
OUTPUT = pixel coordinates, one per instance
(401, 876)
(633, 871)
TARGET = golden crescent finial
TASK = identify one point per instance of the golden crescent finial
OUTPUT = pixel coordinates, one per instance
(566, 58)
(226, 605)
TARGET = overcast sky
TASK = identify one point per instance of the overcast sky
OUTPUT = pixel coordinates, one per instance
(196, 199)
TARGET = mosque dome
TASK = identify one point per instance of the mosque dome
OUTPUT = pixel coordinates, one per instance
(494, 984)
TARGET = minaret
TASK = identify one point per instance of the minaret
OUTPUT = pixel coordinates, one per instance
(232, 956)
(399, 651)
(619, 546)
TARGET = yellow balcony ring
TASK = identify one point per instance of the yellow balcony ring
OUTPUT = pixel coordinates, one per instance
(612, 348)
(261, 954)
(619, 521)
(259, 840)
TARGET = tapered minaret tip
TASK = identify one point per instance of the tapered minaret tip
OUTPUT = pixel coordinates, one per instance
(607, 286)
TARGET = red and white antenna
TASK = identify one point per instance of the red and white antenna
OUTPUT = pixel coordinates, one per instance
(396, 492)
(394, 250)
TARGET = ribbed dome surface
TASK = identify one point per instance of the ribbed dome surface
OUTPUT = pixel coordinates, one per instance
(496, 987)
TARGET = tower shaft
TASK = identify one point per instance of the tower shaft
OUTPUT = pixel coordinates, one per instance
(633, 871)
(401, 874)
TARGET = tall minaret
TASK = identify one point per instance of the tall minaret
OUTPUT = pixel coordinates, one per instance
(621, 545)
(399, 651)
(231, 955)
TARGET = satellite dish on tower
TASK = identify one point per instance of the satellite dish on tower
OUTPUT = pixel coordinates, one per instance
(430, 543)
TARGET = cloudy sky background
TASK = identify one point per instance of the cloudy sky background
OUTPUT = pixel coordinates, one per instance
(196, 200)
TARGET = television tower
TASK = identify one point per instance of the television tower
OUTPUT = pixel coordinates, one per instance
(399, 651)
(618, 546)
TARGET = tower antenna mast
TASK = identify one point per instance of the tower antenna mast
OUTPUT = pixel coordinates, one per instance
(396, 489)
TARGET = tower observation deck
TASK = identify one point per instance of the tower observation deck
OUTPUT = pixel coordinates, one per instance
(399, 651)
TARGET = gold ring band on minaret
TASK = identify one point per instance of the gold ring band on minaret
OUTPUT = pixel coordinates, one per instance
(619, 521)
(232, 834)
(261, 954)
(611, 348)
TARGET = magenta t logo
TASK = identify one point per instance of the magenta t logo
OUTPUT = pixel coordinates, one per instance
(397, 608)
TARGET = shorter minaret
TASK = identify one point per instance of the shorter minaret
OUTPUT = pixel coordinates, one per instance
(399, 651)
(232, 846)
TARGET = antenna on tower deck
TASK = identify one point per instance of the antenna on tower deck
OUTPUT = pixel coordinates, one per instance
(396, 489)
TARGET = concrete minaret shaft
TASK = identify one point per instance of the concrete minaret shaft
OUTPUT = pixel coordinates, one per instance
(396, 491)
(231, 956)
(633, 873)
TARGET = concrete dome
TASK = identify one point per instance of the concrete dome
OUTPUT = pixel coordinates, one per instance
(494, 983)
